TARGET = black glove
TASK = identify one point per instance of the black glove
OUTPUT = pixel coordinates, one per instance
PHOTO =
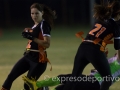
(27, 35)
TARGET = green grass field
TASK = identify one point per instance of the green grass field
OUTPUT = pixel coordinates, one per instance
(61, 53)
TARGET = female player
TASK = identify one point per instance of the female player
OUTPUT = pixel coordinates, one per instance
(83, 82)
(92, 49)
(35, 58)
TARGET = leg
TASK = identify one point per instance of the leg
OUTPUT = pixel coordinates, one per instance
(19, 68)
(34, 85)
(79, 64)
(35, 71)
(100, 62)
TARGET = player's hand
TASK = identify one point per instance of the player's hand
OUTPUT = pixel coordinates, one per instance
(28, 35)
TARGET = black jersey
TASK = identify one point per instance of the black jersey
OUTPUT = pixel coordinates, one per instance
(39, 31)
(105, 31)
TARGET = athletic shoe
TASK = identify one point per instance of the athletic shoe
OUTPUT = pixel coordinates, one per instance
(30, 82)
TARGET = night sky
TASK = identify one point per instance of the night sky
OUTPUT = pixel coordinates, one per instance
(68, 11)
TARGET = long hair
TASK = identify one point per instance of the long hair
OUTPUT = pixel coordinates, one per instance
(102, 11)
(107, 10)
(115, 5)
(48, 15)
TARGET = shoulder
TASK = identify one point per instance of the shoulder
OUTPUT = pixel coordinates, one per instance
(45, 27)
(112, 22)
(45, 23)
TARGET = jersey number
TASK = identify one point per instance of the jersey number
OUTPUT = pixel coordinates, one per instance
(98, 28)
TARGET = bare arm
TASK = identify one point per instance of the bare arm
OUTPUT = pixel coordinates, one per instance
(44, 43)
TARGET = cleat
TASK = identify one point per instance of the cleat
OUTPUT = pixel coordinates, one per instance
(30, 82)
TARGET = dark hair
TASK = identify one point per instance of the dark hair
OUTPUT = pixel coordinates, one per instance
(48, 15)
(115, 8)
(102, 11)
(106, 11)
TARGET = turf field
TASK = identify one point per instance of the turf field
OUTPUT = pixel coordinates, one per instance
(63, 48)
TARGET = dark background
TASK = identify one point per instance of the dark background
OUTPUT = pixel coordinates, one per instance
(69, 12)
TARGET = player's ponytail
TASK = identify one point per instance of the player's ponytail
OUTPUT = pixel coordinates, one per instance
(48, 15)
(115, 8)
(102, 11)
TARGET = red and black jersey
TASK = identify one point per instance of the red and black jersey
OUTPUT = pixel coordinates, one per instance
(39, 31)
(105, 31)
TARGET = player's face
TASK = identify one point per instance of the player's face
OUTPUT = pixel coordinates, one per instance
(36, 15)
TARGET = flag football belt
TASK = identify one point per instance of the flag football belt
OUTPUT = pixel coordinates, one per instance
(28, 50)
(33, 50)
(96, 41)
(93, 42)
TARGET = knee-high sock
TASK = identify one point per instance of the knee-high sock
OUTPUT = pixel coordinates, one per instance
(48, 82)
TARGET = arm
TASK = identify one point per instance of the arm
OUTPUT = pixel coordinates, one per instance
(44, 43)
(45, 29)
